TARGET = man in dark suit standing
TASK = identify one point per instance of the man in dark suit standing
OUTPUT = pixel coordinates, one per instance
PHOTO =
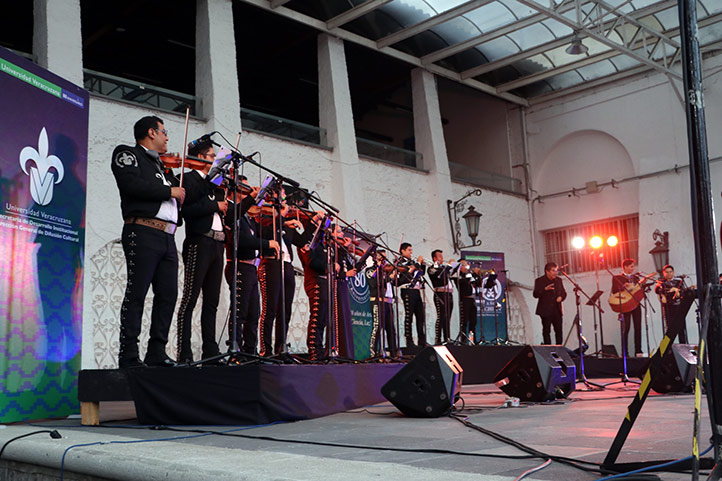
(549, 289)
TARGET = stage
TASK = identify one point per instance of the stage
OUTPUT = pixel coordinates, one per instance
(264, 393)
(352, 445)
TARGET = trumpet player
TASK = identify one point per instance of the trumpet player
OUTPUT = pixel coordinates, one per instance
(440, 275)
(469, 281)
(411, 283)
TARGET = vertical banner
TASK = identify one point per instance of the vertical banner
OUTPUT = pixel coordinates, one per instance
(361, 315)
(43, 171)
(491, 300)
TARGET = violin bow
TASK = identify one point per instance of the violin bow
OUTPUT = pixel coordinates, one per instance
(185, 144)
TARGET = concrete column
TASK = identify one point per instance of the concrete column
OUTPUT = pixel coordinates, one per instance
(336, 116)
(429, 136)
(57, 38)
(216, 71)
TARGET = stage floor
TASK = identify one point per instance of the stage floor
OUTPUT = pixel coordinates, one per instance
(581, 427)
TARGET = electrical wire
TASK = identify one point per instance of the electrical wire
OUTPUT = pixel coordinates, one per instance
(656, 467)
(533, 470)
(53, 434)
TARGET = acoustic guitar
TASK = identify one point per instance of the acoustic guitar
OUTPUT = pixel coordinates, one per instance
(628, 299)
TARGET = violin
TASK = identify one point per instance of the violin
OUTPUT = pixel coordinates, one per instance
(174, 160)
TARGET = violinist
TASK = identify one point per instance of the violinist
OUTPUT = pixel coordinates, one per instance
(440, 275)
(411, 284)
(203, 212)
(671, 291)
(271, 280)
(246, 285)
(380, 276)
(621, 283)
(346, 271)
(469, 281)
(149, 200)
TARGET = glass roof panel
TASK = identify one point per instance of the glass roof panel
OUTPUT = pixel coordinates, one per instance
(519, 10)
(491, 16)
(597, 70)
(531, 65)
(565, 80)
(623, 62)
(559, 29)
(498, 48)
(712, 6)
(444, 5)
(531, 36)
(456, 30)
(668, 18)
(408, 12)
(711, 33)
(643, 3)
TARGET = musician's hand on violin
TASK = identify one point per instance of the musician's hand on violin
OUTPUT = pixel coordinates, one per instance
(178, 193)
(223, 207)
(411, 268)
(351, 273)
(293, 224)
(274, 245)
(255, 191)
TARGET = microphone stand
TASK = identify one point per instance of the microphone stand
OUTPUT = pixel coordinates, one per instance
(578, 321)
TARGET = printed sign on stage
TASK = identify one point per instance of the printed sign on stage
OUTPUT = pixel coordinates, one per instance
(361, 315)
(491, 300)
(43, 170)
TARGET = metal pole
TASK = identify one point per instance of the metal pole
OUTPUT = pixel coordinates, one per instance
(702, 212)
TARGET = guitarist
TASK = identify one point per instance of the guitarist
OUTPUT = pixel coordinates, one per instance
(622, 283)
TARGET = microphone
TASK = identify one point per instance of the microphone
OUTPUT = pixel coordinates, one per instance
(563, 267)
(203, 139)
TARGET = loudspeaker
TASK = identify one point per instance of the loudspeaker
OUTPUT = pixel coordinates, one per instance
(428, 386)
(678, 369)
(538, 373)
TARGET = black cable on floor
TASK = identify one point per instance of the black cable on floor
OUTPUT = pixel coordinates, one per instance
(53, 434)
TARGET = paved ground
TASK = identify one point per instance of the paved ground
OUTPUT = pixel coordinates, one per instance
(581, 427)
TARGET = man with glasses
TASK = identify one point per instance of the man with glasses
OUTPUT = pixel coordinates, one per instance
(549, 289)
(203, 257)
(149, 200)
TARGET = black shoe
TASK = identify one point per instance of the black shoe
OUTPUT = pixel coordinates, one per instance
(160, 362)
(131, 363)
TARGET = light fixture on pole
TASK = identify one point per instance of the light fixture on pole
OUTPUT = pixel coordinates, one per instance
(576, 47)
(660, 251)
(471, 218)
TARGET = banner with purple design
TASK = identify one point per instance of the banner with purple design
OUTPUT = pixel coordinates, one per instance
(491, 298)
(43, 173)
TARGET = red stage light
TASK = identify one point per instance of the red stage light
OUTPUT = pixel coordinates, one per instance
(578, 242)
(596, 242)
(612, 241)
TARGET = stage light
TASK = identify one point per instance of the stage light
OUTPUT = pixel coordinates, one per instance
(612, 241)
(596, 242)
(578, 242)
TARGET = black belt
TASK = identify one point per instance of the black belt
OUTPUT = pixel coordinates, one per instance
(215, 235)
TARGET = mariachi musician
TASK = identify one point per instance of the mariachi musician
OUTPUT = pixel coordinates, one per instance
(411, 284)
(380, 276)
(469, 282)
(346, 272)
(440, 275)
(203, 210)
(672, 292)
(628, 282)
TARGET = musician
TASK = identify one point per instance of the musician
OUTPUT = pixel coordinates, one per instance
(625, 282)
(315, 283)
(149, 200)
(380, 275)
(346, 273)
(411, 284)
(271, 282)
(202, 255)
(468, 281)
(246, 287)
(670, 290)
(440, 275)
(549, 289)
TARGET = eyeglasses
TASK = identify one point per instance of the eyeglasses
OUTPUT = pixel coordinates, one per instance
(162, 131)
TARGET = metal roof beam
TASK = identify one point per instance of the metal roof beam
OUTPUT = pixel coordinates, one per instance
(492, 34)
(597, 33)
(278, 3)
(430, 22)
(391, 52)
(354, 13)
(502, 62)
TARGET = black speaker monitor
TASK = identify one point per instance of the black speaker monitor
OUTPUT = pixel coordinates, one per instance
(678, 369)
(538, 373)
(428, 386)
